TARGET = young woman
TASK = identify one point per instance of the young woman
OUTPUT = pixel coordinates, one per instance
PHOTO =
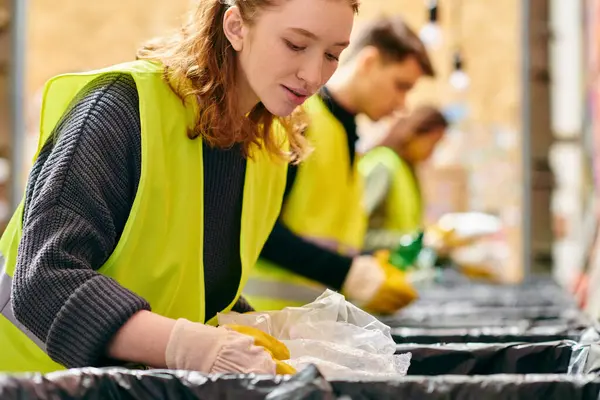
(155, 187)
(409, 142)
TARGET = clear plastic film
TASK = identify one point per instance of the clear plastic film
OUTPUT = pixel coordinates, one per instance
(343, 341)
(578, 361)
(585, 358)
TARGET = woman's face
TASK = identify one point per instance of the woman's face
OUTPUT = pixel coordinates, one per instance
(292, 49)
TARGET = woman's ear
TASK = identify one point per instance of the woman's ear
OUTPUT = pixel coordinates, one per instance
(233, 27)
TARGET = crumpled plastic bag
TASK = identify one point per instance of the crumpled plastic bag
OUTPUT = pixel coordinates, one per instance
(342, 340)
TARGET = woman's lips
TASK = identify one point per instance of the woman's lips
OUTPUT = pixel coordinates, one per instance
(296, 96)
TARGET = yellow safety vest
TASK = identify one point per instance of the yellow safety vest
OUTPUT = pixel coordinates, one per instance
(324, 206)
(159, 255)
(402, 210)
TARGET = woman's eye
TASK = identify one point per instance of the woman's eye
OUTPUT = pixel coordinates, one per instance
(332, 57)
(293, 47)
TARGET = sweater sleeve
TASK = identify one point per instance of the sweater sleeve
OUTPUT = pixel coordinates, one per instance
(78, 199)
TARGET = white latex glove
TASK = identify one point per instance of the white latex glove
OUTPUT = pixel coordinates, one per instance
(198, 347)
(364, 279)
(377, 286)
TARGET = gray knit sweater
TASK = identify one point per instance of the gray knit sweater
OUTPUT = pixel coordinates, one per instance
(78, 198)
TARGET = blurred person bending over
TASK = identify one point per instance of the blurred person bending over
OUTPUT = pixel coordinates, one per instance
(393, 198)
(394, 203)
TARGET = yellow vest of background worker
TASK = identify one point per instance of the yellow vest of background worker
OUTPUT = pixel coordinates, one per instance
(324, 206)
(402, 209)
(159, 255)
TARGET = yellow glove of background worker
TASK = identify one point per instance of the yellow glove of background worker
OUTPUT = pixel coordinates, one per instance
(481, 272)
(443, 241)
(377, 286)
(446, 242)
(194, 346)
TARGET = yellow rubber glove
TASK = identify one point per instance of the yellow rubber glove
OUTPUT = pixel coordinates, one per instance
(373, 284)
(395, 292)
(444, 241)
(282, 368)
(382, 256)
(278, 350)
(482, 272)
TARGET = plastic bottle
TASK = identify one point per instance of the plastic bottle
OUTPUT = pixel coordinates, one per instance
(406, 254)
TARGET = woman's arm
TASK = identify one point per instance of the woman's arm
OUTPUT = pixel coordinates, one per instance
(143, 340)
(78, 199)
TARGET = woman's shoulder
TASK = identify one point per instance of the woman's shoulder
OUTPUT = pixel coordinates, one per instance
(112, 91)
(103, 121)
(107, 106)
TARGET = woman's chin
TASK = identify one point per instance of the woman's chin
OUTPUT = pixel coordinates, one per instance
(280, 107)
(281, 110)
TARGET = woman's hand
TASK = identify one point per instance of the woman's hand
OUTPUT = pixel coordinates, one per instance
(199, 347)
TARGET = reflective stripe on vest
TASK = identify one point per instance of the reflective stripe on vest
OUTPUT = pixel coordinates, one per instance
(6, 304)
(159, 255)
(324, 207)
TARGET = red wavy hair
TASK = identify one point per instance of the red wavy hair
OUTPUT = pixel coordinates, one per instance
(200, 62)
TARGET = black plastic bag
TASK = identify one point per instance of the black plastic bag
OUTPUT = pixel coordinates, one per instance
(451, 315)
(499, 334)
(494, 387)
(309, 384)
(476, 311)
(541, 293)
(501, 358)
(476, 305)
(478, 321)
(117, 383)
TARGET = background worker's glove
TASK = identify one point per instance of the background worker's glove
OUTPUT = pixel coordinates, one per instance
(445, 241)
(198, 347)
(378, 287)
(480, 272)
(457, 230)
